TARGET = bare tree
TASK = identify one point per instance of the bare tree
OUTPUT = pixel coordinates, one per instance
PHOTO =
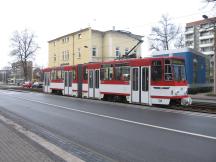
(210, 3)
(180, 41)
(163, 34)
(24, 48)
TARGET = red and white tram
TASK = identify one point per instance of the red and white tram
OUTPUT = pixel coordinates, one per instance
(144, 81)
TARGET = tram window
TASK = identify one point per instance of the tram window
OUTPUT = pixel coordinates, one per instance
(59, 74)
(107, 73)
(102, 74)
(70, 78)
(145, 79)
(135, 79)
(62, 74)
(97, 79)
(53, 75)
(110, 73)
(117, 73)
(45, 79)
(85, 73)
(73, 74)
(156, 71)
(91, 79)
(179, 72)
(168, 70)
(122, 73)
(66, 79)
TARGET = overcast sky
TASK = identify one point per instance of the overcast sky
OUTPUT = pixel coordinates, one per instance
(49, 19)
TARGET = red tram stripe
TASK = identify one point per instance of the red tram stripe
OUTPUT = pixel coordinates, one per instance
(56, 88)
(120, 94)
(114, 82)
(57, 81)
(170, 97)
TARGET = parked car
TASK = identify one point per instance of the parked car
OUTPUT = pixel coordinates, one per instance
(27, 84)
(37, 85)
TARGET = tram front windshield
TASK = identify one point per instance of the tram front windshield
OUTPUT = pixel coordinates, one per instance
(179, 70)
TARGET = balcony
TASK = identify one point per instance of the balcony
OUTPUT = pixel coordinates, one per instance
(206, 29)
(206, 36)
(190, 46)
(189, 32)
(208, 52)
(189, 39)
(207, 44)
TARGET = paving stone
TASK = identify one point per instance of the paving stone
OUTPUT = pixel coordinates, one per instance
(14, 148)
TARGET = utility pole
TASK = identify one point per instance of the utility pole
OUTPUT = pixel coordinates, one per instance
(214, 30)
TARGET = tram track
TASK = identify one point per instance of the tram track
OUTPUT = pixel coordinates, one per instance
(203, 107)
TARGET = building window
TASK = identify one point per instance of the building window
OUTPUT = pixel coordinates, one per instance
(65, 55)
(205, 26)
(54, 58)
(126, 51)
(206, 41)
(78, 53)
(79, 36)
(189, 43)
(54, 43)
(94, 51)
(117, 51)
(189, 36)
(205, 33)
(65, 40)
(206, 49)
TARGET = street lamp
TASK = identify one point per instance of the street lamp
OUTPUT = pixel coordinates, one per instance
(214, 30)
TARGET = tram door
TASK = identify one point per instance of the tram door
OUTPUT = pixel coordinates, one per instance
(68, 83)
(145, 85)
(46, 82)
(140, 85)
(94, 84)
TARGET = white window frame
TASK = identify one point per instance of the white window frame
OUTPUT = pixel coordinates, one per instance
(79, 35)
(54, 57)
(94, 51)
(78, 53)
(117, 52)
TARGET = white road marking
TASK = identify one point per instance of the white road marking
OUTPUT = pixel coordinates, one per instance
(124, 120)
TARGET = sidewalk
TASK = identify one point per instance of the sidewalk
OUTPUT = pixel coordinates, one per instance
(15, 148)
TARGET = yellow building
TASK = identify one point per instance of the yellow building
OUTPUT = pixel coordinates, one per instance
(88, 45)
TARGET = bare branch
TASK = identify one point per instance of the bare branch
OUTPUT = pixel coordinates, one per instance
(164, 33)
(23, 47)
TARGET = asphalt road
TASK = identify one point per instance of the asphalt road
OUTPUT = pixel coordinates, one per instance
(118, 132)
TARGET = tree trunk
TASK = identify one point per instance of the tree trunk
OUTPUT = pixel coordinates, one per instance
(25, 70)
